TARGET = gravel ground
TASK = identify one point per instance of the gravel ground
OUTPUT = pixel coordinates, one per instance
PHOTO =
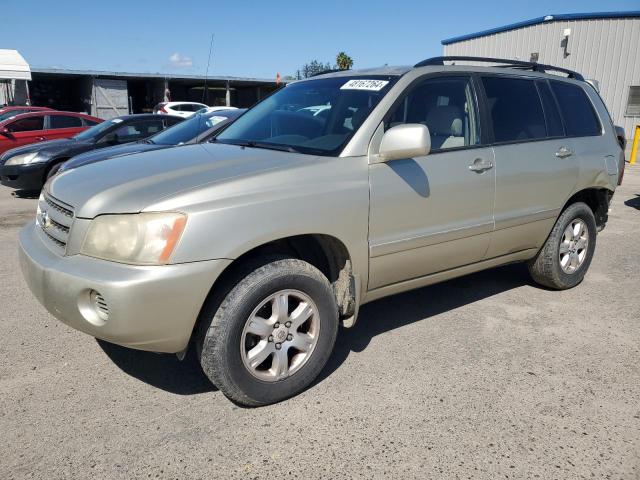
(485, 376)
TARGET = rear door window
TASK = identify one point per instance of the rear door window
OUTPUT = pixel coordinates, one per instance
(580, 119)
(26, 124)
(515, 109)
(64, 121)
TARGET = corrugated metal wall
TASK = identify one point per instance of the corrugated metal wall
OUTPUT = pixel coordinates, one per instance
(606, 50)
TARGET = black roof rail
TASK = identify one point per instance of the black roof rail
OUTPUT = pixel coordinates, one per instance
(331, 70)
(536, 67)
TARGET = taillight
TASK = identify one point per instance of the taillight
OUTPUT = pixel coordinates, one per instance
(622, 172)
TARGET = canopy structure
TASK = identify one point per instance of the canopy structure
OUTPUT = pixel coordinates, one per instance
(13, 66)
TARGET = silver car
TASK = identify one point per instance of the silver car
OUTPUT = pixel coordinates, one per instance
(255, 247)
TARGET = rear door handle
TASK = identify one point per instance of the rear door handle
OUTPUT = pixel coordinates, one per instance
(564, 152)
(480, 166)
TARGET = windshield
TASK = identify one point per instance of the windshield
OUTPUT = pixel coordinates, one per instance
(315, 116)
(189, 129)
(95, 132)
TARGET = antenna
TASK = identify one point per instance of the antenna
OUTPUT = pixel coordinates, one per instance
(206, 75)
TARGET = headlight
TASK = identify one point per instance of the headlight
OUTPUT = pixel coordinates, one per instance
(143, 238)
(24, 159)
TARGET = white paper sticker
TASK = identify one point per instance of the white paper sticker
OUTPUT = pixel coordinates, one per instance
(371, 85)
(214, 120)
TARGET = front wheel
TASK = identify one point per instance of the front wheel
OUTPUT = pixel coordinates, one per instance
(271, 335)
(565, 257)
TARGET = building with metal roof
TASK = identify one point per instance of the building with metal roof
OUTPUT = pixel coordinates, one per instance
(602, 46)
(108, 94)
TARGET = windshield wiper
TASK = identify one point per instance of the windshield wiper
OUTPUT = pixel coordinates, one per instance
(273, 146)
(254, 144)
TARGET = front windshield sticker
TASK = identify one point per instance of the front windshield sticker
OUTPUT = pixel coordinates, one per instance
(371, 85)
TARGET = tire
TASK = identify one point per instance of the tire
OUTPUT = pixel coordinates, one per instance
(227, 339)
(553, 270)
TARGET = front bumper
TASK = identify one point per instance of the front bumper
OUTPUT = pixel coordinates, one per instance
(149, 307)
(23, 177)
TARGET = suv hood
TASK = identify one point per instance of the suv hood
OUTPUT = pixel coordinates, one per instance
(130, 183)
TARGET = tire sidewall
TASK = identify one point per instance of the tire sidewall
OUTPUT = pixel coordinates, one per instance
(222, 345)
(577, 211)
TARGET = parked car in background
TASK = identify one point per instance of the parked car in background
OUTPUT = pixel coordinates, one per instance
(181, 109)
(33, 127)
(29, 167)
(218, 109)
(199, 128)
(8, 112)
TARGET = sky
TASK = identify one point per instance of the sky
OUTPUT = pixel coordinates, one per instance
(253, 39)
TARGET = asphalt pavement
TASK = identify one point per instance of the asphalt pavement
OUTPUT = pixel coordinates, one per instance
(486, 376)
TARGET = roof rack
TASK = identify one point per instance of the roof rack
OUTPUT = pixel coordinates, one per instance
(536, 67)
(331, 70)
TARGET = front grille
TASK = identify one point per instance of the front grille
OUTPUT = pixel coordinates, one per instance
(54, 218)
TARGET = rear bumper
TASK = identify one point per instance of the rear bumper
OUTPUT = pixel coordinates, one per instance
(149, 307)
(23, 177)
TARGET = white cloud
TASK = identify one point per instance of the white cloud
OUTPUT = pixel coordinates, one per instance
(180, 61)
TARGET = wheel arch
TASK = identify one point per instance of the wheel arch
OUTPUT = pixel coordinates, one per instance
(325, 252)
(597, 199)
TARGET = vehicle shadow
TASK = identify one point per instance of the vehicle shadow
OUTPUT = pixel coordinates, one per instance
(161, 370)
(393, 312)
(633, 202)
(166, 372)
(26, 193)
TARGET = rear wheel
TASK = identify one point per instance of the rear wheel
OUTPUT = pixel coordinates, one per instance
(565, 257)
(271, 335)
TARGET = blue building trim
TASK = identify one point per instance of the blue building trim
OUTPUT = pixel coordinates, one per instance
(538, 20)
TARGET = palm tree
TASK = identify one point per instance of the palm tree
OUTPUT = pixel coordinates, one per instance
(344, 61)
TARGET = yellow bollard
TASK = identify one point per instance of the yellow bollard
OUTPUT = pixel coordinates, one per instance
(634, 149)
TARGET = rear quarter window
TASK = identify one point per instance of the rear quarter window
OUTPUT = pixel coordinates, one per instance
(579, 117)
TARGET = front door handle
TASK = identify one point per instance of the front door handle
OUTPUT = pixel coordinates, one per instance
(564, 152)
(480, 166)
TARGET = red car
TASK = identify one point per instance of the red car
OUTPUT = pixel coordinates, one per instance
(8, 112)
(39, 126)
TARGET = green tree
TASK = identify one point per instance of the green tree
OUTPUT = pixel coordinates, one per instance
(344, 61)
(313, 68)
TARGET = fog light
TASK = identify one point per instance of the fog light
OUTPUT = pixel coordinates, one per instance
(93, 307)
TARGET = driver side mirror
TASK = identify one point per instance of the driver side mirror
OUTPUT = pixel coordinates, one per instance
(405, 141)
(5, 131)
